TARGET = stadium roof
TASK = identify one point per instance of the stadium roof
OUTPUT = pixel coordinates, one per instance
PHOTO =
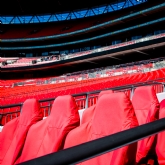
(58, 10)
(28, 7)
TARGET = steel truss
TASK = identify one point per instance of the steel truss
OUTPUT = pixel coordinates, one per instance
(119, 5)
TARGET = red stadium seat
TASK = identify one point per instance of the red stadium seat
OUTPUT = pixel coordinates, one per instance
(6, 137)
(113, 113)
(160, 147)
(104, 92)
(12, 142)
(89, 112)
(48, 135)
(146, 107)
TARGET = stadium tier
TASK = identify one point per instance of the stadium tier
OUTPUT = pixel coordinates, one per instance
(82, 82)
(49, 30)
(21, 62)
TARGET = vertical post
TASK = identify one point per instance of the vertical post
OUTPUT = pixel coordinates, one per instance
(86, 103)
(1, 118)
(132, 92)
(6, 118)
(49, 105)
(21, 108)
(45, 112)
(163, 87)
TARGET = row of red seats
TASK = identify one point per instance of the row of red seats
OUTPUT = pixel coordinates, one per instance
(10, 83)
(114, 112)
(13, 112)
(20, 94)
(13, 135)
(21, 97)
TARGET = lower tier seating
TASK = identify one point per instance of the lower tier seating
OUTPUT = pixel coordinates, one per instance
(112, 113)
(50, 91)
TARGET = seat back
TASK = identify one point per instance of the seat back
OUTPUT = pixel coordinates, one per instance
(89, 112)
(146, 106)
(160, 146)
(104, 92)
(48, 135)
(6, 137)
(113, 113)
(31, 114)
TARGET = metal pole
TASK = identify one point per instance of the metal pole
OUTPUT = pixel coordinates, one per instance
(132, 92)
(86, 103)
(163, 87)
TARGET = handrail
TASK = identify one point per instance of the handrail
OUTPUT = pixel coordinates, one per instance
(100, 146)
(11, 105)
(8, 113)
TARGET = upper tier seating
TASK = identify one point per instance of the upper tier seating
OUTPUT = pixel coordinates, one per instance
(49, 134)
(146, 106)
(27, 61)
(14, 133)
(20, 62)
(113, 113)
(77, 76)
(160, 147)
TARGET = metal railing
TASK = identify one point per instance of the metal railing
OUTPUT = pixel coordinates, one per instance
(106, 144)
(83, 100)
